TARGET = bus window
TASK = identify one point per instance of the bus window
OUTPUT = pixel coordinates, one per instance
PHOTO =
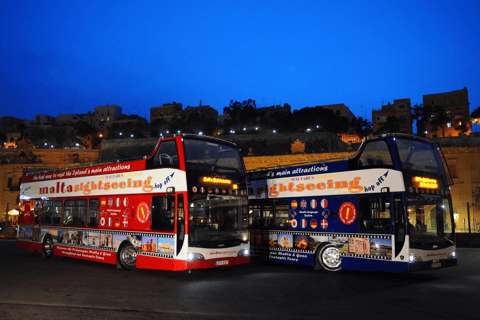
(163, 213)
(375, 153)
(52, 212)
(167, 155)
(75, 213)
(281, 215)
(371, 215)
(93, 208)
(262, 215)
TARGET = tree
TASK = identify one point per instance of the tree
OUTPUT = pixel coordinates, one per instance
(241, 113)
(440, 119)
(421, 115)
(462, 129)
(85, 134)
(362, 127)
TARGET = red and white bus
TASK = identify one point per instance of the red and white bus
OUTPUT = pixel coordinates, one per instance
(183, 207)
(386, 208)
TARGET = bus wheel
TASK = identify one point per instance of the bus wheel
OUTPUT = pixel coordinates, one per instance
(330, 258)
(47, 247)
(128, 257)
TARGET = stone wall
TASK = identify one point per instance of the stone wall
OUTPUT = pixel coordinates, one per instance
(53, 156)
(252, 163)
(258, 145)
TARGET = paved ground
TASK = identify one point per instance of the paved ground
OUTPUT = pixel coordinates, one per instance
(32, 287)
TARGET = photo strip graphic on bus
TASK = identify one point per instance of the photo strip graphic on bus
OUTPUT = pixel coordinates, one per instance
(387, 207)
(185, 206)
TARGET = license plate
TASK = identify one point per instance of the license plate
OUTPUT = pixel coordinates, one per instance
(221, 263)
(436, 265)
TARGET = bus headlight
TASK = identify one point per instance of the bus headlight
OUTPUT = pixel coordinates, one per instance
(243, 253)
(452, 255)
(415, 258)
(195, 256)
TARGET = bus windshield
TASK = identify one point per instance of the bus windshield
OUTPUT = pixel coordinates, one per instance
(429, 217)
(212, 156)
(218, 221)
(419, 156)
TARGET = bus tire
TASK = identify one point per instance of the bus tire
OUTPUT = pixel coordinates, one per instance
(47, 247)
(127, 256)
(329, 258)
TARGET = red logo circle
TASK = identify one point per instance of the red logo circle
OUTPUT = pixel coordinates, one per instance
(142, 212)
(347, 213)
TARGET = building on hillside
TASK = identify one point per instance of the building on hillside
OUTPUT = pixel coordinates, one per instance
(268, 111)
(455, 105)
(10, 124)
(105, 115)
(167, 111)
(203, 111)
(43, 120)
(400, 110)
(340, 110)
(63, 119)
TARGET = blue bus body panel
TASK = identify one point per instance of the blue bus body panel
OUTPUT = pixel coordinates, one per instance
(349, 263)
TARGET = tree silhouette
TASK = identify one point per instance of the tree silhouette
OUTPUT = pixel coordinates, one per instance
(362, 127)
(241, 114)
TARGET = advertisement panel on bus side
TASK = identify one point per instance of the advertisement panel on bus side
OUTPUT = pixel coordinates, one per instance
(134, 182)
(338, 183)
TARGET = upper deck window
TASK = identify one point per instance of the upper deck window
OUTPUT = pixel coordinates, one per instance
(167, 155)
(418, 155)
(375, 153)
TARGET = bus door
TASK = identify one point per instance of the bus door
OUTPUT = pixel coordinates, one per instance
(399, 216)
(180, 222)
(168, 215)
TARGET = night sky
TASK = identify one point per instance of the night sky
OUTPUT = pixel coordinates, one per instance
(62, 57)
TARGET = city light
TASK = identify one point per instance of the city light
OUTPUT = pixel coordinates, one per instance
(131, 136)
(120, 134)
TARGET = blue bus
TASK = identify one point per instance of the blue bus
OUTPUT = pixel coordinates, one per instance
(388, 207)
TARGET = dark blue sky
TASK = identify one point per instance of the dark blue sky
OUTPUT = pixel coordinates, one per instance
(70, 56)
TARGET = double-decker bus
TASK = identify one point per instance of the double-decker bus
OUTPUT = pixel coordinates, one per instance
(388, 208)
(183, 207)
